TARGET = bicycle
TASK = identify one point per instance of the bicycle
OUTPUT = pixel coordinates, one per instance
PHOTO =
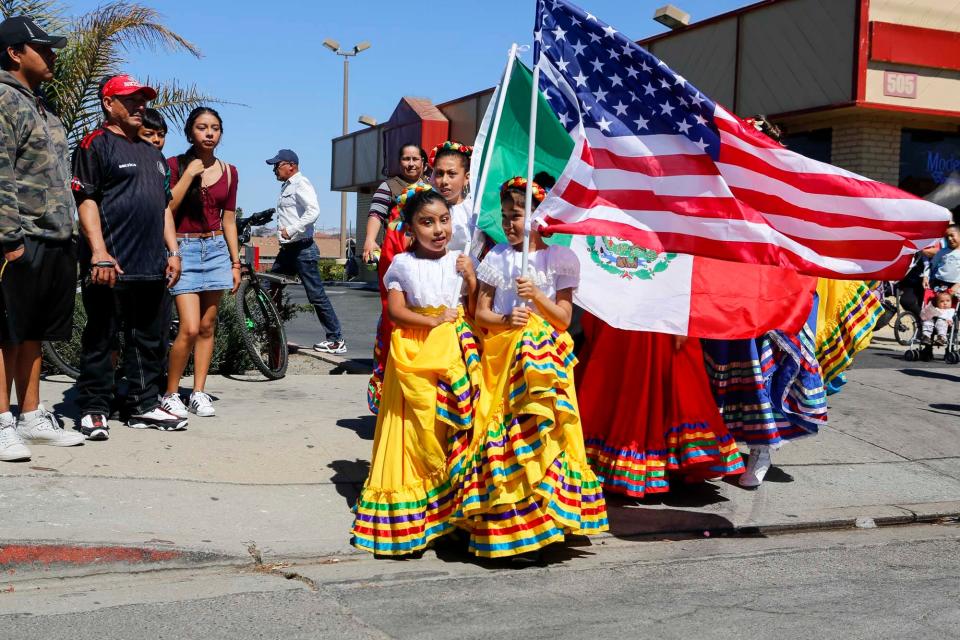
(258, 316)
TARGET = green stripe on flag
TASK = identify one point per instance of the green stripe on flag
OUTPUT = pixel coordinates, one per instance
(508, 155)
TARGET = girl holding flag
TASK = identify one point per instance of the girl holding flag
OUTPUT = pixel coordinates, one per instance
(428, 387)
(523, 480)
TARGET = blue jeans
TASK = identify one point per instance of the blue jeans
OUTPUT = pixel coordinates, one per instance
(301, 258)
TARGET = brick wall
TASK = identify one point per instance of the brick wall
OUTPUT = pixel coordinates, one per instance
(870, 146)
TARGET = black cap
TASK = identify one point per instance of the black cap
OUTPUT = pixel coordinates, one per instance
(23, 30)
(284, 155)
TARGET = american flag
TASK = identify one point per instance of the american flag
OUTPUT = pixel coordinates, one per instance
(660, 164)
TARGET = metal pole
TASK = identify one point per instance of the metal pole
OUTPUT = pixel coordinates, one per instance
(531, 151)
(343, 194)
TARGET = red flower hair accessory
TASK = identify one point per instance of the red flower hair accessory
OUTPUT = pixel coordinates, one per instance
(539, 193)
(449, 145)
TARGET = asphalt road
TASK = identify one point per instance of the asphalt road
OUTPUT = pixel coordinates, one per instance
(358, 311)
(898, 582)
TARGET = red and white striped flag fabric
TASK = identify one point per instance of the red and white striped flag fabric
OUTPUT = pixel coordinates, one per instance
(658, 163)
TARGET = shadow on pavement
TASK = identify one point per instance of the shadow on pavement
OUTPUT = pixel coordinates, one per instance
(927, 373)
(364, 426)
(67, 408)
(348, 477)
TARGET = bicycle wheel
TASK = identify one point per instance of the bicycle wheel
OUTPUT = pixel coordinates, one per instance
(64, 355)
(262, 330)
(905, 328)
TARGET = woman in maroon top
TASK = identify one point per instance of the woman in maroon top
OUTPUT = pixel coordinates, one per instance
(204, 191)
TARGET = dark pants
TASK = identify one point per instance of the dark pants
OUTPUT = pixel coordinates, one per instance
(911, 296)
(302, 258)
(136, 308)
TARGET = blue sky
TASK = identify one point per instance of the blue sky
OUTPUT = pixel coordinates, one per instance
(268, 56)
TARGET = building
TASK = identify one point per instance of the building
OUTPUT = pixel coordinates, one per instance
(872, 86)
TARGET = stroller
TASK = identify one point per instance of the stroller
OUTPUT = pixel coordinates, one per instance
(917, 350)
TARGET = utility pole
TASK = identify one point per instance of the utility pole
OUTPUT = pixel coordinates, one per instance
(334, 46)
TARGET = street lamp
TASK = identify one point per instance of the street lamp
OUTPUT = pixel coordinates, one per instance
(671, 16)
(334, 46)
(367, 121)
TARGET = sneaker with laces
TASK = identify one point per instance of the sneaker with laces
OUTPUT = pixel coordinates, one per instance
(94, 427)
(202, 404)
(11, 444)
(757, 466)
(42, 427)
(171, 403)
(157, 418)
(331, 346)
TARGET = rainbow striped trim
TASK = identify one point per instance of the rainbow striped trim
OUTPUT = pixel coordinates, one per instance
(853, 332)
(693, 451)
(518, 488)
(769, 391)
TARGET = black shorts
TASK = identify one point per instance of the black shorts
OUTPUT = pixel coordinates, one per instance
(38, 291)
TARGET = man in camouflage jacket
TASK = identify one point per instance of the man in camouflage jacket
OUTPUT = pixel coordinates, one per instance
(37, 213)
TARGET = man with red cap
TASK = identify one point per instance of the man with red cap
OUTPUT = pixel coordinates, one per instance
(129, 256)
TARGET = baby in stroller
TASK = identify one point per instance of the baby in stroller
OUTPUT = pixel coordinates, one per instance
(937, 317)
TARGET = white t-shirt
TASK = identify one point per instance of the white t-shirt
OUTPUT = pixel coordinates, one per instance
(425, 282)
(551, 270)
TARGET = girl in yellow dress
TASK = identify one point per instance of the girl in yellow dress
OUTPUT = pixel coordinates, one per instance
(429, 386)
(523, 481)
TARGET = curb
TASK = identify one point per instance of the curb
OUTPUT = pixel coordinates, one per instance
(60, 559)
(342, 365)
(865, 517)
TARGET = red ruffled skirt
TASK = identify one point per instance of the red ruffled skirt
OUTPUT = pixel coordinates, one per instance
(648, 411)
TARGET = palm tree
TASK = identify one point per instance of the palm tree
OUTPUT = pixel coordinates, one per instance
(98, 45)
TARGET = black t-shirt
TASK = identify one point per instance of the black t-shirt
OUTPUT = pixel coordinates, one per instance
(130, 182)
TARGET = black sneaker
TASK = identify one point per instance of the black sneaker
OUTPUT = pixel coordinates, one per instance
(157, 418)
(94, 427)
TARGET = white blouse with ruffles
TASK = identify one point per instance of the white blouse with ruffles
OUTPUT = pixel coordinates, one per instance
(552, 269)
(425, 282)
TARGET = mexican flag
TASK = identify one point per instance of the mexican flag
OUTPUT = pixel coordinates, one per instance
(625, 285)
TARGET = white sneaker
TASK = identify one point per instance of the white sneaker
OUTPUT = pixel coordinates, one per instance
(157, 418)
(331, 346)
(11, 444)
(42, 427)
(757, 467)
(173, 404)
(202, 404)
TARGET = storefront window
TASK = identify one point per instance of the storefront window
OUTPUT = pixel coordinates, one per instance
(815, 144)
(929, 160)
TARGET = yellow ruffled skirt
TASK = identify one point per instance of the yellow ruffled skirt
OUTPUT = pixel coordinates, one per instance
(522, 480)
(429, 390)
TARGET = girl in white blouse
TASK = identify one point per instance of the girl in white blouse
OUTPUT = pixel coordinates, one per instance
(524, 482)
(427, 397)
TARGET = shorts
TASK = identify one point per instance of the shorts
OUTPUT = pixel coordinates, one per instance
(38, 292)
(205, 266)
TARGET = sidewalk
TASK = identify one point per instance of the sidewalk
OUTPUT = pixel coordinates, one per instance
(279, 466)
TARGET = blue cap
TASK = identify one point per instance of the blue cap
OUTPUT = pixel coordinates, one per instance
(284, 155)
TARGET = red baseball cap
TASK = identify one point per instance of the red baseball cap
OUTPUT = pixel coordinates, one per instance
(124, 85)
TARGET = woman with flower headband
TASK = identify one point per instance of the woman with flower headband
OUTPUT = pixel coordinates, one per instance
(523, 481)
(428, 386)
(450, 163)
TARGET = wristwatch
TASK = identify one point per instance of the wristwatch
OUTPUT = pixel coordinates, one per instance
(173, 254)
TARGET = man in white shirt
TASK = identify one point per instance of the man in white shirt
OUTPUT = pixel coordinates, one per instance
(297, 210)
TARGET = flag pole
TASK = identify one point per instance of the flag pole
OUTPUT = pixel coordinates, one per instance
(489, 143)
(531, 150)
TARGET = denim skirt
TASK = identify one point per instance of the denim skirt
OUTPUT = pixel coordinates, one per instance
(206, 266)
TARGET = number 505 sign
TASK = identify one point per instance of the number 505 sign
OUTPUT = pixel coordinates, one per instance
(899, 85)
